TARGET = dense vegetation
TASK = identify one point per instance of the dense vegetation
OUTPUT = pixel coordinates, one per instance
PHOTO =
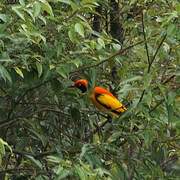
(50, 131)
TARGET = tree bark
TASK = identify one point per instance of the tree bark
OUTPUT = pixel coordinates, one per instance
(116, 28)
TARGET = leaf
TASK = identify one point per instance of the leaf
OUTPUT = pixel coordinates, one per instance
(35, 161)
(178, 8)
(3, 144)
(65, 1)
(85, 148)
(171, 29)
(116, 46)
(79, 29)
(72, 35)
(5, 60)
(29, 11)
(75, 114)
(81, 173)
(101, 42)
(147, 80)
(42, 19)
(135, 78)
(39, 135)
(39, 68)
(73, 5)
(114, 136)
(22, 2)
(18, 71)
(63, 70)
(5, 74)
(3, 17)
(46, 7)
(62, 173)
(54, 159)
(17, 9)
(77, 62)
(36, 8)
(2, 148)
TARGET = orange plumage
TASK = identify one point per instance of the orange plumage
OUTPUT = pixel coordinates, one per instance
(104, 100)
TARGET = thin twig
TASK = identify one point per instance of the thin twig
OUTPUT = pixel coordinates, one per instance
(16, 103)
(171, 160)
(155, 54)
(70, 16)
(157, 105)
(150, 61)
(94, 131)
(145, 39)
(16, 119)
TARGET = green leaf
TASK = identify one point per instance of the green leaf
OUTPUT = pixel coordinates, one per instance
(3, 144)
(5, 74)
(39, 68)
(30, 13)
(147, 80)
(65, 1)
(101, 42)
(62, 173)
(3, 17)
(22, 2)
(178, 8)
(54, 159)
(171, 29)
(36, 9)
(72, 35)
(63, 70)
(81, 173)
(79, 29)
(18, 71)
(35, 161)
(18, 11)
(39, 135)
(75, 114)
(2, 148)
(73, 5)
(46, 7)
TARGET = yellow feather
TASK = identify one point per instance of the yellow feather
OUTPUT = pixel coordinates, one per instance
(108, 104)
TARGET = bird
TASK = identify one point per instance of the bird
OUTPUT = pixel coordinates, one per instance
(102, 99)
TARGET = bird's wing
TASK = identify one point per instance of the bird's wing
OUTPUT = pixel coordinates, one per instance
(111, 103)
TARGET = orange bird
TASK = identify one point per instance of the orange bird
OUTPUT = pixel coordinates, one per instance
(104, 100)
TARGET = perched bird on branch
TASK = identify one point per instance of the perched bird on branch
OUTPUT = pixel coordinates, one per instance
(104, 100)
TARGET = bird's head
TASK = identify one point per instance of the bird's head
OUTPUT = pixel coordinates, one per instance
(81, 84)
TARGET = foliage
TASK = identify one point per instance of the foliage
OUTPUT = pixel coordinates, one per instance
(53, 129)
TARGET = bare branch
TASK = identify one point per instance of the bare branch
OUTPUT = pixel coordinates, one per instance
(145, 39)
(155, 54)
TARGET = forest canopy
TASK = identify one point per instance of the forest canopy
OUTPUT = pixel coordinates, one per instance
(51, 131)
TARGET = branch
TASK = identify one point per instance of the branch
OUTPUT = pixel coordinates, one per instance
(70, 16)
(151, 62)
(16, 119)
(145, 39)
(162, 100)
(121, 51)
(22, 96)
(16, 170)
(171, 160)
(19, 170)
(39, 155)
(157, 105)
(94, 131)
(155, 54)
